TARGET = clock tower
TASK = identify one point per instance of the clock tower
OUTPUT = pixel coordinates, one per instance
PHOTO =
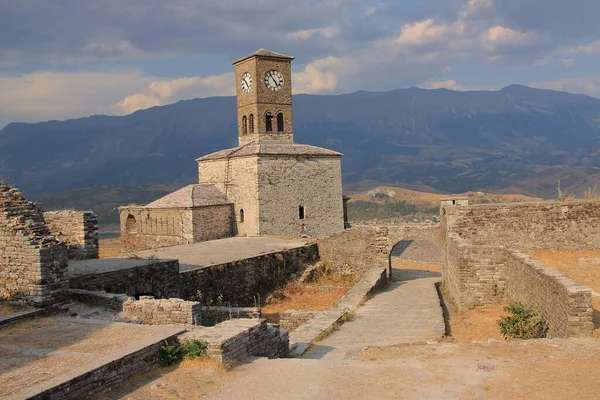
(264, 98)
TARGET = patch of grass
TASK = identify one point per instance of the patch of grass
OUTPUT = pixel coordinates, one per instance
(524, 323)
(189, 349)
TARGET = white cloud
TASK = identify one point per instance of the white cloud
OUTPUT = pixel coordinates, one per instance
(422, 32)
(328, 32)
(59, 95)
(502, 34)
(590, 48)
(568, 62)
(448, 84)
(166, 91)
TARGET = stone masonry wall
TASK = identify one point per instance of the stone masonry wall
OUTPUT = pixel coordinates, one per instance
(78, 229)
(287, 183)
(237, 179)
(237, 339)
(33, 264)
(240, 283)
(566, 305)
(359, 249)
(244, 282)
(153, 228)
(177, 311)
(529, 226)
(482, 264)
(213, 222)
(291, 319)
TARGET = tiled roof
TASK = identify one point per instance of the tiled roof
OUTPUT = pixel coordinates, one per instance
(265, 54)
(276, 149)
(197, 195)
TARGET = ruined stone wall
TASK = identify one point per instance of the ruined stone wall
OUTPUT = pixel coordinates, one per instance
(481, 265)
(237, 339)
(566, 305)
(237, 178)
(291, 319)
(78, 229)
(33, 264)
(239, 283)
(529, 226)
(178, 311)
(153, 228)
(244, 282)
(288, 183)
(213, 222)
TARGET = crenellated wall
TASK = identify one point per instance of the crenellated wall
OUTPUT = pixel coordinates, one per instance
(78, 229)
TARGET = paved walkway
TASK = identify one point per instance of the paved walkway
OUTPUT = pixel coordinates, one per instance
(408, 311)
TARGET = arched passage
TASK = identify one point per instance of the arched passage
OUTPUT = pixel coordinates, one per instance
(412, 259)
(130, 224)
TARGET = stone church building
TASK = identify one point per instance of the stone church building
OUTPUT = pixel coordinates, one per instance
(268, 185)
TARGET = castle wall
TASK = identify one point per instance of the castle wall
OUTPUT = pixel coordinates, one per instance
(241, 174)
(287, 183)
(78, 229)
(483, 263)
(33, 264)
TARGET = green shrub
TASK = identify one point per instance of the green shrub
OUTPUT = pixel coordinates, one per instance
(524, 323)
(189, 349)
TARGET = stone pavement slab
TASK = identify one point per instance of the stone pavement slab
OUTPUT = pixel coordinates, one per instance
(215, 252)
(407, 312)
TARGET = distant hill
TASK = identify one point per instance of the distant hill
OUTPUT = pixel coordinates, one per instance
(102, 200)
(519, 138)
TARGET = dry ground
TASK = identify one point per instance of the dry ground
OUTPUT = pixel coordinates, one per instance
(314, 296)
(35, 351)
(581, 266)
(109, 247)
(534, 369)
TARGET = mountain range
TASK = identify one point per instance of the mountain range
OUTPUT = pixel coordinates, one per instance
(517, 139)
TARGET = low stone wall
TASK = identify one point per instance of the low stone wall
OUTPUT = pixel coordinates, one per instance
(245, 282)
(105, 372)
(237, 339)
(78, 229)
(159, 278)
(291, 319)
(177, 311)
(100, 299)
(566, 305)
(239, 283)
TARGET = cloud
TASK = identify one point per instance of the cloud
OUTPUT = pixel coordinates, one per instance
(590, 48)
(327, 32)
(161, 92)
(448, 84)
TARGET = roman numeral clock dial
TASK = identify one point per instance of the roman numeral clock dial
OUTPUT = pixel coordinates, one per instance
(274, 80)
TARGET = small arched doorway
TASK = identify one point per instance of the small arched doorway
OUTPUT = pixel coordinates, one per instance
(411, 259)
(130, 224)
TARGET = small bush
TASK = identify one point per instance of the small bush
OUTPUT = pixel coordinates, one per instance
(189, 349)
(524, 323)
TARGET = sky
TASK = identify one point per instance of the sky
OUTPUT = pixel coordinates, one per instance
(63, 59)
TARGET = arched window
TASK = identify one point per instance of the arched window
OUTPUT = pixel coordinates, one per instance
(130, 224)
(241, 215)
(244, 125)
(301, 212)
(280, 122)
(251, 121)
(269, 122)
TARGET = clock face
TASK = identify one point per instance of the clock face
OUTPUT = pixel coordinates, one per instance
(274, 80)
(246, 83)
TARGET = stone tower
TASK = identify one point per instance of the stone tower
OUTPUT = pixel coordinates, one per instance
(264, 98)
